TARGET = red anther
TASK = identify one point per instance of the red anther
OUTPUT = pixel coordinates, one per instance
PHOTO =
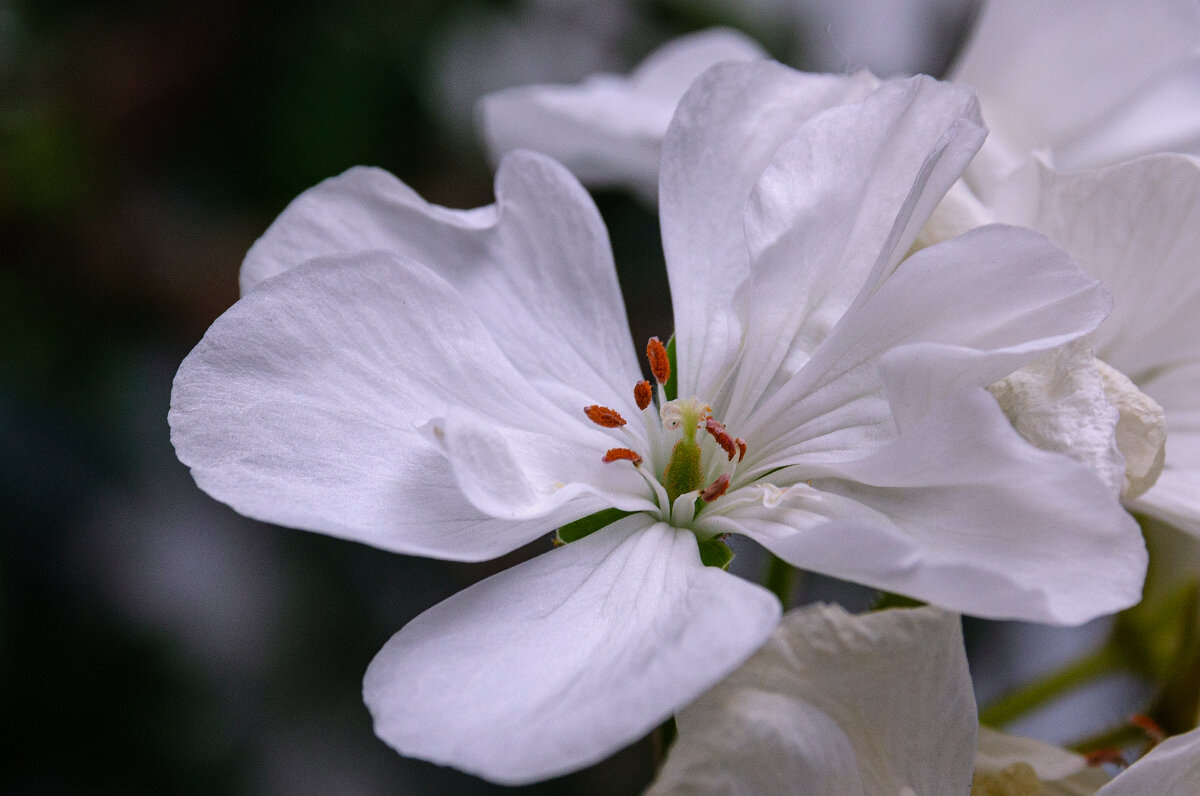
(1149, 726)
(660, 363)
(623, 455)
(1099, 757)
(721, 436)
(642, 394)
(715, 489)
(741, 443)
(603, 416)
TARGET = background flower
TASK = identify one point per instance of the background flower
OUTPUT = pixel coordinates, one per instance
(872, 704)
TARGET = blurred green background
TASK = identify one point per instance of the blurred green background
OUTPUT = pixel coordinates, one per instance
(151, 640)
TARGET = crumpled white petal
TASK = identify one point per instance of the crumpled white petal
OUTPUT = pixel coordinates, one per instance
(960, 512)
(560, 661)
(1059, 404)
(724, 133)
(536, 267)
(835, 704)
(608, 130)
(1136, 227)
(295, 410)
(1141, 432)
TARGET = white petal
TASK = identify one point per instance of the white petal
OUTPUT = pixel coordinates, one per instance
(840, 203)
(301, 406)
(961, 512)
(962, 313)
(1059, 404)
(531, 471)
(998, 750)
(608, 130)
(1171, 767)
(1136, 228)
(1175, 497)
(1163, 116)
(560, 661)
(1048, 72)
(536, 266)
(841, 704)
(1141, 431)
(723, 135)
(959, 211)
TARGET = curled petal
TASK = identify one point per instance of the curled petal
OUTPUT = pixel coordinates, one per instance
(295, 410)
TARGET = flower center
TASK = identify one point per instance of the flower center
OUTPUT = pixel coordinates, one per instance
(683, 483)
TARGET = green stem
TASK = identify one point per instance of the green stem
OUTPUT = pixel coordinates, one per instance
(781, 580)
(1119, 737)
(1025, 698)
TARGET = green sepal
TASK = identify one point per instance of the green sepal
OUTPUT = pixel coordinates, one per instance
(574, 531)
(715, 553)
(672, 386)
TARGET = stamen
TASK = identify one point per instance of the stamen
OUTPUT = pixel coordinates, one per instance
(622, 454)
(741, 443)
(603, 416)
(715, 489)
(660, 363)
(1154, 733)
(722, 437)
(642, 394)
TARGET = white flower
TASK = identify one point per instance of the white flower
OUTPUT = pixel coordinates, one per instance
(880, 704)
(835, 705)
(1011, 765)
(1086, 83)
(453, 384)
(609, 129)
(1008, 765)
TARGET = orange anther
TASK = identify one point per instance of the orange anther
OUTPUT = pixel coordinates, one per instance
(721, 436)
(642, 394)
(741, 443)
(660, 363)
(623, 454)
(603, 416)
(715, 489)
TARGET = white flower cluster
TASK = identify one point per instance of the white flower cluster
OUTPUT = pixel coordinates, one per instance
(911, 350)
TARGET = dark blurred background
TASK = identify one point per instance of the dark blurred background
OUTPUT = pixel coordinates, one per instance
(152, 641)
